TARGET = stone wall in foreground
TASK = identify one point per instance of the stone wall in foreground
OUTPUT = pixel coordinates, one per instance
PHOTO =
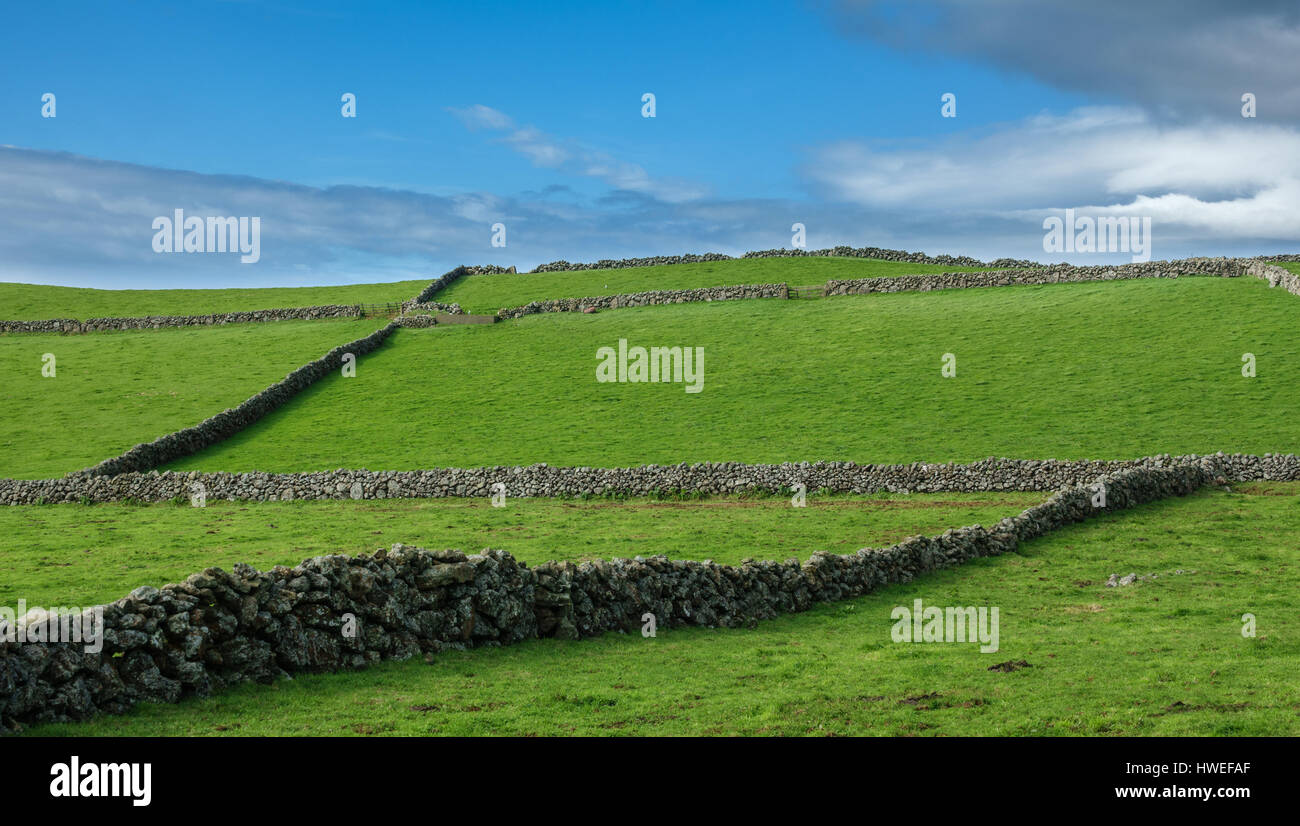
(154, 322)
(646, 299)
(546, 481)
(229, 422)
(217, 629)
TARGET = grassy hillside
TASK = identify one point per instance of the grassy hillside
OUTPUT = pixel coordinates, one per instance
(112, 391)
(1106, 370)
(28, 302)
(88, 554)
(489, 293)
(1160, 657)
(1293, 266)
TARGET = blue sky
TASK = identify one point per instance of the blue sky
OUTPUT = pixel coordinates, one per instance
(530, 114)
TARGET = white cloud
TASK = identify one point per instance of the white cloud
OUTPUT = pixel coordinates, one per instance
(1230, 180)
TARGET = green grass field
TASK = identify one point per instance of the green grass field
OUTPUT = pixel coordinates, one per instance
(1102, 370)
(1106, 370)
(489, 293)
(113, 390)
(90, 554)
(28, 302)
(1161, 657)
(1293, 266)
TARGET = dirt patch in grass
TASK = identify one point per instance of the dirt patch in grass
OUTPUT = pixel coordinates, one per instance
(1010, 665)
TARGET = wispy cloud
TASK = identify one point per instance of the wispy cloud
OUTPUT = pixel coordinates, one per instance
(571, 157)
(479, 116)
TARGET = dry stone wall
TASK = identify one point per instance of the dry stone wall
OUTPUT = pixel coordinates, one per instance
(841, 252)
(892, 255)
(579, 600)
(221, 628)
(153, 322)
(1025, 273)
(416, 321)
(98, 325)
(432, 307)
(647, 480)
(1056, 274)
(627, 263)
(1275, 276)
(225, 424)
(439, 284)
(329, 613)
(646, 299)
(442, 282)
(187, 441)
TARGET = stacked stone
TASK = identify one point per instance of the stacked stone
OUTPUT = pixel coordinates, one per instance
(1275, 276)
(154, 322)
(841, 252)
(49, 325)
(627, 263)
(646, 299)
(578, 600)
(416, 321)
(438, 285)
(433, 307)
(225, 424)
(187, 441)
(333, 612)
(1051, 274)
(220, 628)
(891, 255)
(1011, 271)
(708, 478)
